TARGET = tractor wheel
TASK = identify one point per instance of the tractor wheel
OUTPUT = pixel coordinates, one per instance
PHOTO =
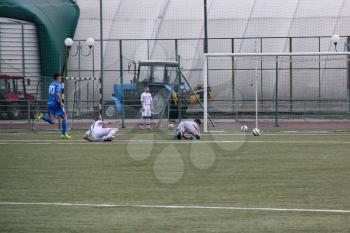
(13, 111)
(109, 110)
(159, 102)
(130, 111)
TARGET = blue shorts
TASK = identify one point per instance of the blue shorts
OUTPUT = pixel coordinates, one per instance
(55, 109)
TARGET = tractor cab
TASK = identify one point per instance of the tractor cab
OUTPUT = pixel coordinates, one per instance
(153, 71)
(13, 96)
(9, 87)
(162, 78)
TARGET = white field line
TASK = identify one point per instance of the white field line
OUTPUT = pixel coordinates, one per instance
(131, 141)
(193, 207)
(214, 134)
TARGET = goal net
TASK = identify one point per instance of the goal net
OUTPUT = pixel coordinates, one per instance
(304, 90)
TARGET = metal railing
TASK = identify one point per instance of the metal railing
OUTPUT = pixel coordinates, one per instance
(120, 53)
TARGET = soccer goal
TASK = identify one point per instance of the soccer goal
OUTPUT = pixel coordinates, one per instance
(298, 90)
(83, 99)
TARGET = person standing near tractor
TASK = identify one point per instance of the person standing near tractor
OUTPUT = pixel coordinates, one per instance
(146, 108)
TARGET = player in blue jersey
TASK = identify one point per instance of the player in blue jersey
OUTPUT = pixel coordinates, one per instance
(55, 106)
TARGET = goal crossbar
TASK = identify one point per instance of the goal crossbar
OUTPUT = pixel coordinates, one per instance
(275, 54)
(281, 54)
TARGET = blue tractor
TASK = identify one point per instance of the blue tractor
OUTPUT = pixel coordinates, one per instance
(171, 96)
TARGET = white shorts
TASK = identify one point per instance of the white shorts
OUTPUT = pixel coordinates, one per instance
(146, 111)
(190, 130)
(99, 134)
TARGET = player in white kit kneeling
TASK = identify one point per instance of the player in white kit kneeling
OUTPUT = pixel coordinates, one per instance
(99, 133)
(146, 109)
(188, 130)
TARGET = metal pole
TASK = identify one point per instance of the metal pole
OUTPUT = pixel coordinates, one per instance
(206, 36)
(23, 73)
(65, 62)
(148, 50)
(101, 57)
(348, 71)
(319, 76)
(179, 97)
(28, 110)
(276, 95)
(177, 57)
(290, 76)
(93, 76)
(0, 53)
(261, 75)
(77, 91)
(121, 79)
(65, 87)
(23, 60)
(233, 75)
(205, 27)
(176, 47)
(256, 95)
(277, 54)
(205, 94)
(74, 103)
(79, 58)
(87, 97)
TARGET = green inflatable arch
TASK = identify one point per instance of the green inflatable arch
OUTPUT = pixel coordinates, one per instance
(55, 21)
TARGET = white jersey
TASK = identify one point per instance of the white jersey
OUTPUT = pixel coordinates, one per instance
(146, 98)
(189, 127)
(97, 132)
(96, 126)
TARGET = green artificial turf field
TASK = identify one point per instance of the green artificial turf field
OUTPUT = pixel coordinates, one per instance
(146, 182)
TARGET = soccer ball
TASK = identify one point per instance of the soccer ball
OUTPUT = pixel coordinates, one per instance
(244, 128)
(170, 126)
(256, 132)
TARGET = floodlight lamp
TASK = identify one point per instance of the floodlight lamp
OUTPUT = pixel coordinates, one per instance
(90, 42)
(68, 42)
(335, 39)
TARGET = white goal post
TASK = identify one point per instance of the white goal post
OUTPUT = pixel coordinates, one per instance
(257, 55)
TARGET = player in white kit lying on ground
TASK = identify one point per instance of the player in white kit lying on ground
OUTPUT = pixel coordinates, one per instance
(188, 130)
(99, 133)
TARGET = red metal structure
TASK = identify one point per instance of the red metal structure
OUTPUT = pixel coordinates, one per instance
(15, 102)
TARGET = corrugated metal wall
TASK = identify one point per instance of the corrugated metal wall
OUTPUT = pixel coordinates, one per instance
(19, 51)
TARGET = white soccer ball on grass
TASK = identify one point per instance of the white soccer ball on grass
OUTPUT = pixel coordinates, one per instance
(171, 126)
(256, 132)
